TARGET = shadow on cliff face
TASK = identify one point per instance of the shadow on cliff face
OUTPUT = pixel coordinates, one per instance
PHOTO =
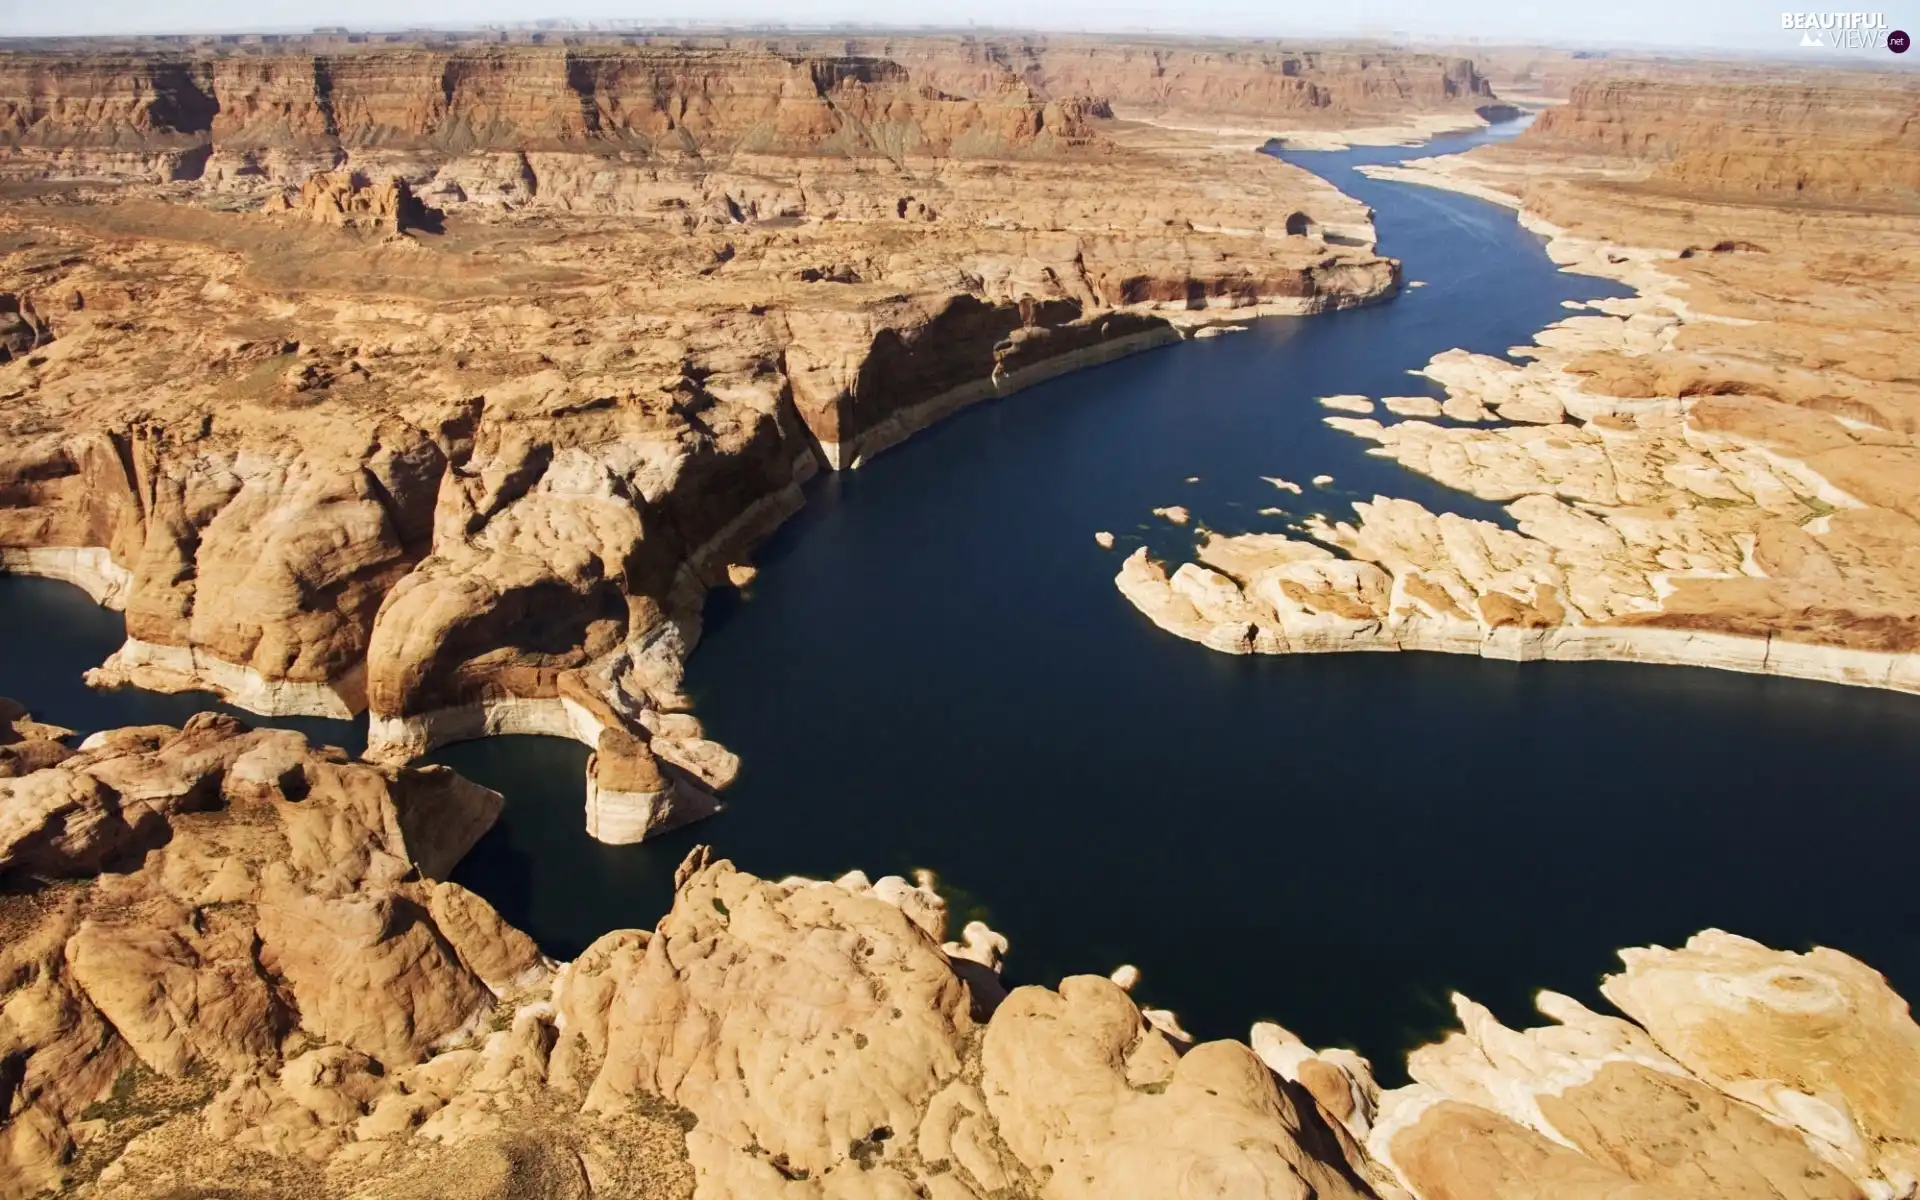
(183, 101)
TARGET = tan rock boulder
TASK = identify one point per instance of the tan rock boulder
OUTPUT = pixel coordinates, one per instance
(56, 823)
(27, 755)
(1340, 1081)
(119, 796)
(349, 813)
(1817, 1041)
(27, 745)
(1460, 1151)
(1593, 1085)
(440, 814)
(62, 1055)
(1752, 1072)
(583, 996)
(182, 772)
(1094, 1103)
(115, 799)
(333, 1082)
(182, 991)
(806, 1020)
(305, 1111)
(369, 971)
(499, 954)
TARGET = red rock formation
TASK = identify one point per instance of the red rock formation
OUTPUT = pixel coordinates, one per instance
(346, 198)
(1261, 83)
(851, 97)
(672, 103)
(109, 101)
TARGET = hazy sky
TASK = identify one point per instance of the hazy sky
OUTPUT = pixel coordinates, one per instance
(1730, 24)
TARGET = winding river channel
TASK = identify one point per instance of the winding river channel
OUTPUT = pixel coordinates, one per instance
(935, 670)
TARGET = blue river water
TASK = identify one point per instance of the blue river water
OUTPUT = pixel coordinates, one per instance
(934, 669)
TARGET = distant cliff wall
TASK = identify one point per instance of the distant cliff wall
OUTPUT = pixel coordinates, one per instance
(646, 101)
(1835, 142)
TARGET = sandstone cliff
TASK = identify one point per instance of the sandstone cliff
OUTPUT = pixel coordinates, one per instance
(297, 106)
(136, 113)
(257, 109)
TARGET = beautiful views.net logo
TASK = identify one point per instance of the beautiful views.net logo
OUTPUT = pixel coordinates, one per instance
(1845, 31)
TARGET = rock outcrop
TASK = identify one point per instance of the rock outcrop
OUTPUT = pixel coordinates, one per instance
(268, 988)
(188, 905)
(27, 745)
(478, 485)
(1743, 1071)
(347, 199)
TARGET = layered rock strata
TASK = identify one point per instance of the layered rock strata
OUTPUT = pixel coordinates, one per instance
(1719, 471)
(247, 114)
(458, 375)
(231, 963)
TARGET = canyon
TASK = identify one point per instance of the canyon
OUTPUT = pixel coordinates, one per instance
(441, 384)
(1718, 471)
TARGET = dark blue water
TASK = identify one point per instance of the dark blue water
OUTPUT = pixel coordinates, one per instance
(51, 632)
(934, 669)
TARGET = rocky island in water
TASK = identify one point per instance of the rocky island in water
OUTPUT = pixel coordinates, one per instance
(434, 382)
